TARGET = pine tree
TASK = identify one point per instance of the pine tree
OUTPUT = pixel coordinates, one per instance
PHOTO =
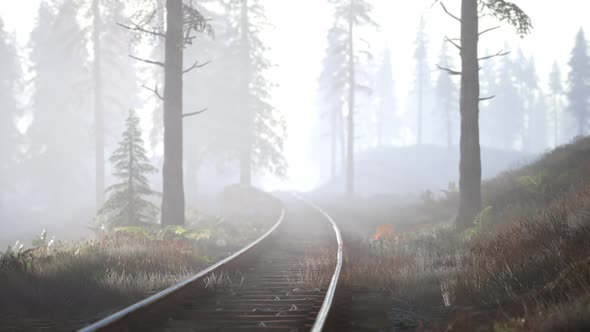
(10, 81)
(210, 133)
(506, 110)
(423, 80)
(258, 127)
(183, 24)
(534, 106)
(350, 15)
(489, 88)
(128, 203)
(386, 118)
(556, 89)
(157, 73)
(111, 65)
(333, 80)
(507, 114)
(470, 150)
(59, 134)
(579, 83)
(447, 95)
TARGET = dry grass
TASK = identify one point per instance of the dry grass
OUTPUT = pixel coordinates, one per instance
(63, 286)
(316, 269)
(526, 266)
(81, 281)
(504, 275)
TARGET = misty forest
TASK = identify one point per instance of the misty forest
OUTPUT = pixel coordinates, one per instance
(312, 165)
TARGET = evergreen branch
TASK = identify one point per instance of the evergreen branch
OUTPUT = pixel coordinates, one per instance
(138, 28)
(151, 62)
(487, 98)
(499, 54)
(450, 71)
(195, 66)
(454, 43)
(154, 90)
(506, 11)
(449, 13)
(186, 115)
(489, 30)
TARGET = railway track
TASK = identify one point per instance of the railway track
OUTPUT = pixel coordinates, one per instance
(287, 280)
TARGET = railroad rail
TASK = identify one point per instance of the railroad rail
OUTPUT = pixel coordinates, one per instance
(279, 282)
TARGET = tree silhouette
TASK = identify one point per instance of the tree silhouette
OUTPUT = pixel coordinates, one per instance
(557, 90)
(350, 15)
(579, 83)
(423, 80)
(111, 65)
(447, 95)
(10, 82)
(59, 133)
(259, 128)
(182, 25)
(470, 160)
(127, 203)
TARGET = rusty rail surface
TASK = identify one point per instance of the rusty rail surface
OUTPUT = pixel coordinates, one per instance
(267, 300)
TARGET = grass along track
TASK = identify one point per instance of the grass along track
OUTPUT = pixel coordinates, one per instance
(269, 284)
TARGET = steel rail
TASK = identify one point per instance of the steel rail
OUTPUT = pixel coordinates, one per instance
(324, 311)
(124, 313)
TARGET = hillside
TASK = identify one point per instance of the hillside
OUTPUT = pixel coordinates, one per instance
(524, 264)
(413, 169)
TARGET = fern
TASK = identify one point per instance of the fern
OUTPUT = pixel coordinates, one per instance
(483, 218)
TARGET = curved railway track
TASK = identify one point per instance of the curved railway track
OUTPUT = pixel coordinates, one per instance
(287, 280)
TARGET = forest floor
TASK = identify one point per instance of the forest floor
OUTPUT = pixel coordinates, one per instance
(62, 286)
(523, 265)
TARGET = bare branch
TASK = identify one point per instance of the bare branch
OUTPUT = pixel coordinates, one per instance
(448, 13)
(453, 42)
(186, 115)
(499, 54)
(450, 71)
(154, 90)
(151, 62)
(137, 28)
(490, 29)
(487, 98)
(195, 66)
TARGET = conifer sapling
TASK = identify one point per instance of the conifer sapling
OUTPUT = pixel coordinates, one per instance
(128, 203)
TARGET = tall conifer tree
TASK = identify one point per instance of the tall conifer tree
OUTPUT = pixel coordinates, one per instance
(579, 84)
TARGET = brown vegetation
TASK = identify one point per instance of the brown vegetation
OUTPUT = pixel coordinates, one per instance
(523, 265)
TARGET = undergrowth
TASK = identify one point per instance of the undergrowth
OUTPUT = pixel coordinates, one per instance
(85, 280)
(524, 264)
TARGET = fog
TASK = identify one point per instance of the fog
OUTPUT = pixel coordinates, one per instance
(48, 101)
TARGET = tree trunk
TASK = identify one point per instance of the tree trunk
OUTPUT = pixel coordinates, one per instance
(98, 106)
(246, 153)
(470, 161)
(351, 102)
(173, 188)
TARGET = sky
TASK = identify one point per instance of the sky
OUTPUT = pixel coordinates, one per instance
(297, 39)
